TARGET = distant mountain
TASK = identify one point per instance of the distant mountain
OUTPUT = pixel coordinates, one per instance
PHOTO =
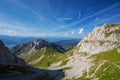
(11, 41)
(34, 46)
(68, 43)
(32, 52)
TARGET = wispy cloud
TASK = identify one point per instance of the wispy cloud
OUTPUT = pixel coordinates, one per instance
(63, 19)
(66, 34)
(8, 32)
(12, 26)
(72, 32)
(24, 6)
(79, 15)
(97, 19)
(104, 20)
(88, 17)
(110, 18)
(80, 30)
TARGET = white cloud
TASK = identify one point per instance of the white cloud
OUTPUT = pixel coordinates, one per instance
(15, 26)
(80, 30)
(72, 32)
(8, 32)
(66, 34)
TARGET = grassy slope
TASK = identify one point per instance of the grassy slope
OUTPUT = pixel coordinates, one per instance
(50, 56)
(110, 70)
(112, 64)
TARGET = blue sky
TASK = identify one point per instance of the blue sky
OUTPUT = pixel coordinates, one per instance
(61, 18)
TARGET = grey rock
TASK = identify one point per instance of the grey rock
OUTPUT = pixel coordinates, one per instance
(101, 39)
(6, 58)
(35, 45)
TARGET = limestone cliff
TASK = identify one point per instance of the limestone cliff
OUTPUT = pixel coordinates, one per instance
(101, 39)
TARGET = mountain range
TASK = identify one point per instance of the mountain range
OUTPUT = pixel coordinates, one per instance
(15, 68)
(95, 57)
(11, 41)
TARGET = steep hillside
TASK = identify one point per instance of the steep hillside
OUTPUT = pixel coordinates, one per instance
(39, 53)
(9, 63)
(6, 58)
(96, 57)
(106, 66)
(101, 39)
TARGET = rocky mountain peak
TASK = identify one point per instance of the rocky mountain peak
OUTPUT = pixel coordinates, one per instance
(35, 45)
(101, 39)
(109, 32)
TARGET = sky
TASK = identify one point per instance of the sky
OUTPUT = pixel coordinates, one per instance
(56, 18)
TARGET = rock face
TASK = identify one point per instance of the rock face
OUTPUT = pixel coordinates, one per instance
(101, 39)
(6, 58)
(35, 45)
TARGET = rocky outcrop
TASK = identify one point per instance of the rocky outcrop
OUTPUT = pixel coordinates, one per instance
(101, 39)
(35, 45)
(6, 58)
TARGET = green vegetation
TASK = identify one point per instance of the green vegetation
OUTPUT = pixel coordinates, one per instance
(101, 42)
(37, 54)
(83, 53)
(110, 56)
(66, 68)
(23, 55)
(111, 25)
(110, 70)
(107, 28)
(64, 62)
(107, 34)
(69, 47)
(51, 56)
(86, 41)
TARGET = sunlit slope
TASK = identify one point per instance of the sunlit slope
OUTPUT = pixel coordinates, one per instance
(106, 67)
(43, 57)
